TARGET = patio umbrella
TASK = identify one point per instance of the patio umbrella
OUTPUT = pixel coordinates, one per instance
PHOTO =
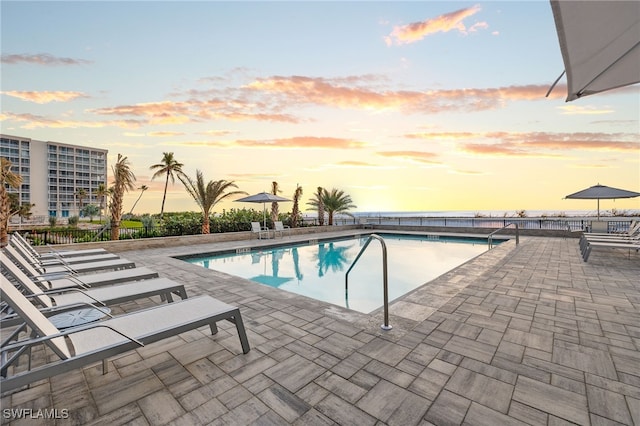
(264, 198)
(600, 44)
(603, 192)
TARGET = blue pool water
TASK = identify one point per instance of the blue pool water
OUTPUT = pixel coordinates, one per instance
(318, 270)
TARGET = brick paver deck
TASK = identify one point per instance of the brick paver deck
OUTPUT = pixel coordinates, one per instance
(520, 335)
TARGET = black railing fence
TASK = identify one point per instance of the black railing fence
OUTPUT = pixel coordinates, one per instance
(42, 235)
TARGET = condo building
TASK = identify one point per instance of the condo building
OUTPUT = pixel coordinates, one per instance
(54, 174)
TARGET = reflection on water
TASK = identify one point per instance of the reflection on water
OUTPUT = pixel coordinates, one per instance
(317, 271)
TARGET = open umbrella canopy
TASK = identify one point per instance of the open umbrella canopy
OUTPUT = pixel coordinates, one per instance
(600, 44)
(602, 192)
(264, 198)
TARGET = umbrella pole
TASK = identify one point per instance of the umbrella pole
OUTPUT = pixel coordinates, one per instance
(598, 208)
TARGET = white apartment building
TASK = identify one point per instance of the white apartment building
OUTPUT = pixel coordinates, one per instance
(53, 172)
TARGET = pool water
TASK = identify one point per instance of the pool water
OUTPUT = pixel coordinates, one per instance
(318, 270)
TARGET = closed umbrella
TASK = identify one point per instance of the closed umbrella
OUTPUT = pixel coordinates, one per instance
(602, 192)
(264, 198)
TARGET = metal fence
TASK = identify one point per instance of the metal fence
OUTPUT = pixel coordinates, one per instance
(621, 224)
(42, 235)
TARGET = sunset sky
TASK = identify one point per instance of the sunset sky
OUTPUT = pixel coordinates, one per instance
(406, 106)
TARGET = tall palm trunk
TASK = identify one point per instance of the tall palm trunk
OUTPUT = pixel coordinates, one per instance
(164, 196)
(4, 217)
(320, 207)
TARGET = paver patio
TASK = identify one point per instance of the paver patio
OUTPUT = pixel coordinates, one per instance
(526, 334)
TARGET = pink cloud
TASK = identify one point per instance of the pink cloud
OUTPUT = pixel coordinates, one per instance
(44, 97)
(41, 59)
(416, 31)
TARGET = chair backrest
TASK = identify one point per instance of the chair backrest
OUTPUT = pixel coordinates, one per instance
(33, 317)
(255, 227)
(24, 281)
(17, 241)
(278, 226)
(24, 263)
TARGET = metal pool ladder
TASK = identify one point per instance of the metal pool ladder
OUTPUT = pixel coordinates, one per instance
(385, 281)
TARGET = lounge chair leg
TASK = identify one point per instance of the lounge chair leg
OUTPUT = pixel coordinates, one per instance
(242, 333)
(105, 366)
(214, 328)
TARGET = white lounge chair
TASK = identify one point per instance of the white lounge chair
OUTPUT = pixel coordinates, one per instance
(55, 253)
(79, 267)
(58, 260)
(278, 226)
(259, 231)
(79, 346)
(55, 301)
(66, 279)
(630, 244)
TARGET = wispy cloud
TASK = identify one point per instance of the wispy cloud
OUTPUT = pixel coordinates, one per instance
(414, 156)
(33, 121)
(453, 21)
(584, 110)
(41, 59)
(165, 134)
(45, 97)
(542, 144)
(294, 142)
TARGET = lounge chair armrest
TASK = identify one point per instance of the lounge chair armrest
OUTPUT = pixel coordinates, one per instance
(26, 343)
(66, 290)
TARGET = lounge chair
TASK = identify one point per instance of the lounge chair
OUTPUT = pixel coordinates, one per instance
(55, 301)
(278, 226)
(56, 253)
(79, 346)
(259, 231)
(114, 264)
(588, 245)
(58, 260)
(60, 280)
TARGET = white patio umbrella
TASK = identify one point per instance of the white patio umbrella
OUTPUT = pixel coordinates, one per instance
(264, 198)
(598, 192)
(600, 44)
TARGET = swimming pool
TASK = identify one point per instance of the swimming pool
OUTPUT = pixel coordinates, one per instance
(317, 269)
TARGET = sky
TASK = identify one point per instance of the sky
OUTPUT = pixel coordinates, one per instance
(404, 106)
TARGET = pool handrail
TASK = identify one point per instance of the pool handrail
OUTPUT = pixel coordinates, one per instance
(490, 236)
(385, 282)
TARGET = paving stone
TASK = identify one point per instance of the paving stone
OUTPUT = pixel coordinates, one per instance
(126, 390)
(483, 389)
(160, 407)
(471, 348)
(294, 373)
(409, 409)
(559, 402)
(448, 409)
(341, 387)
(341, 412)
(314, 418)
(284, 403)
(585, 359)
(384, 351)
(527, 414)
(479, 415)
(608, 404)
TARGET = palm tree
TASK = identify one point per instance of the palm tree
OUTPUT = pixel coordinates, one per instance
(316, 203)
(13, 180)
(169, 167)
(123, 181)
(101, 194)
(274, 206)
(336, 201)
(81, 194)
(142, 189)
(295, 211)
(207, 196)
